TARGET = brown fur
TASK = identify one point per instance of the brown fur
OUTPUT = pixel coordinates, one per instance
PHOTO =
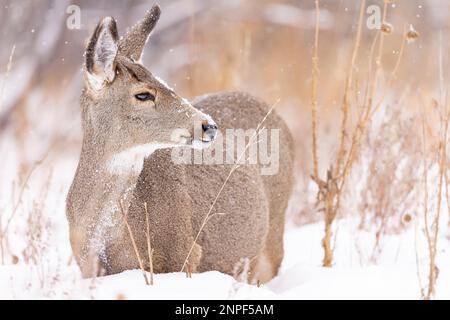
(251, 206)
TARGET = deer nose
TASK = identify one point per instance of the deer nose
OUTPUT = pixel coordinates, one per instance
(209, 130)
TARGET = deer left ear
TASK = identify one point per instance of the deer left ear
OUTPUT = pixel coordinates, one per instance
(101, 53)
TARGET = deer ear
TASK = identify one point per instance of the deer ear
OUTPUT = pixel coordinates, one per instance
(101, 53)
(132, 44)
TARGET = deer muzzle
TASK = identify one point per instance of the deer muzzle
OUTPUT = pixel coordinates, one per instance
(209, 130)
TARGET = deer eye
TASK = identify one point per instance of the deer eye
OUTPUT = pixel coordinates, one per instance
(145, 96)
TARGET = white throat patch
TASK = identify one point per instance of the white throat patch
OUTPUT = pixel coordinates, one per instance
(132, 160)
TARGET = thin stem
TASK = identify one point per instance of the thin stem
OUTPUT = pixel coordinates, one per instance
(348, 84)
(315, 76)
(136, 251)
(149, 247)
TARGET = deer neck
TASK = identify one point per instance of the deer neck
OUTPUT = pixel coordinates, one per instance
(105, 189)
(100, 198)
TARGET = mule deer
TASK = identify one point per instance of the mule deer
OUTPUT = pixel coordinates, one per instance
(130, 121)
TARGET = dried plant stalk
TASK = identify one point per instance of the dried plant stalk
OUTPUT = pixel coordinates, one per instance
(329, 193)
(348, 84)
(315, 80)
(432, 231)
(331, 189)
(8, 69)
(136, 251)
(149, 247)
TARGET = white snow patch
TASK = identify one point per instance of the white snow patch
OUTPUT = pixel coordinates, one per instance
(301, 275)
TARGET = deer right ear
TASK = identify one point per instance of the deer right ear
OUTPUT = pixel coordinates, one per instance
(101, 53)
(132, 44)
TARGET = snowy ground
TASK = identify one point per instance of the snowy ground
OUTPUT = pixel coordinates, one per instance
(300, 278)
(394, 276)
(44, 267)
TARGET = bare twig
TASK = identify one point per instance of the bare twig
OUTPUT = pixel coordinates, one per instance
(315, 76)
(425, 182)
(329, 191)
(136, 251)
(432, 231)
(3, 232)
(393, 75)
(149, 247)
(8, 69)
(348, 84)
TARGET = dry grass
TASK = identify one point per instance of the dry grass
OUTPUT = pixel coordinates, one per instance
(4, 231)
(329, 190)
(371, 151)
(432, 220)
(149, 246)
(315, 80)
(133, 242)
(8, 69)
(389, 191)
(360, 137)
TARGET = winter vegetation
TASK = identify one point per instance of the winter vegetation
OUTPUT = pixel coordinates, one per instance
(363, 86)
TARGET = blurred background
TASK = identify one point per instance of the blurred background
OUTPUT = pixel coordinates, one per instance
(200, 46)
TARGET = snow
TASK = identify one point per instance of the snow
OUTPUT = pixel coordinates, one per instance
(301, 276)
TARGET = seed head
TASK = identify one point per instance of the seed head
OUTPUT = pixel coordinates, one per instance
(386, 27)
(412, 34)
(406, 218)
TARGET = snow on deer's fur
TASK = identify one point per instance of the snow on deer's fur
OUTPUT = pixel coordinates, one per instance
(129, 118)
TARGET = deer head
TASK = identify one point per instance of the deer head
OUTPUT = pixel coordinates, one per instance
(127, 111)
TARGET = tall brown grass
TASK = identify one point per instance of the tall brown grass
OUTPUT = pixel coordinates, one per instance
(432, 219)
(332, 187)
(387, 150)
